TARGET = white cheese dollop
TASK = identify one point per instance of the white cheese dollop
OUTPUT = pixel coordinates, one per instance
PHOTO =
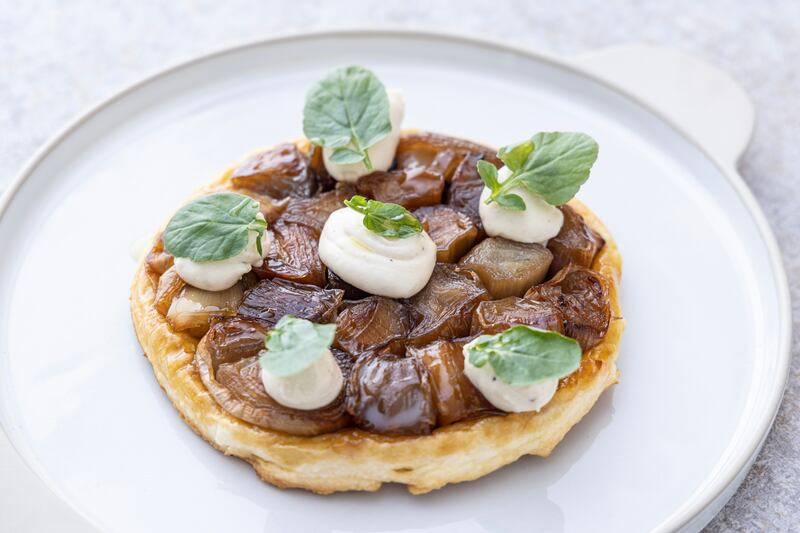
(395, 268)
(312, 388)
(221, 275)
(539, 222)
(509, 398)
(381, 154)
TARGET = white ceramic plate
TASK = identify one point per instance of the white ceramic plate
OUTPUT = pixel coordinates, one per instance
(703, 360)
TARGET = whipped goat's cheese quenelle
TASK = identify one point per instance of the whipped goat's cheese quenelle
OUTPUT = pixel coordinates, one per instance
(381, 154)
(539, 221)
(312, 388)
(395, 268)
(509, 398)
(221, 275)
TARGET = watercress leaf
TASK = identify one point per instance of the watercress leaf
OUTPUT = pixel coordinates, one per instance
(522, 355)
(348, 107)
(212, 227)
(346, 156)
(511, 201)
(558, 166)
(515, 155)
(387, 220)
(488, 173)
(295, 344)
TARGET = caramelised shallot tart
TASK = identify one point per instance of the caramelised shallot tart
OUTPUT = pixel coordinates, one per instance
(369, 305)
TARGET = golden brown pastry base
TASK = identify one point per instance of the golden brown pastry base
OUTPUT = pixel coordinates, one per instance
(352, 459)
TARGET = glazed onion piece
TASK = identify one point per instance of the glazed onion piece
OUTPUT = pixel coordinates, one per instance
(494, 316)
(293, 255)
(439, 152)
(227, 360)
(576, 243)
(280, 172)
(582, 296)
(235, 338)
(454, 396)
(193, 309)
(268, 301)
(391, 395)
(451, 231)
(443, 309)
(157, 261)
(169, 285)
(313, 212)
(464, 193)
(316, 163)
(350, 292)
(269, 207)
(371, 324)
(408, 188)
(508, 268)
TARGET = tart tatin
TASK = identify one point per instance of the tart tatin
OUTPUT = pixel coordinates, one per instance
(407, 413)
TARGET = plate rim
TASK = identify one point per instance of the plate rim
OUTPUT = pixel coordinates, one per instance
(691, 511)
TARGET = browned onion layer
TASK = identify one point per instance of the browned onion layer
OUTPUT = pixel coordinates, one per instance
(402, 359)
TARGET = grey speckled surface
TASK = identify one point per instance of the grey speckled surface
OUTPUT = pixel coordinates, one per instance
(57, 58)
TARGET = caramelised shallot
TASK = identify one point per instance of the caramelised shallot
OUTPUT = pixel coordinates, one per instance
(413, 188)
(494, 316)
(268, 301)
(371, 324)
(576, 243)
(582, 296)
(443, 309)
(293, 255)
(313, 212)
(453, 232)
(440, 152)
(508, 268)
(227, 359)
(157, 261)
(269, 207)
(454, 395)
(464, 193)
(279, 172)
(350, 292)
(391, 395)
(169, 285)
(192, 310)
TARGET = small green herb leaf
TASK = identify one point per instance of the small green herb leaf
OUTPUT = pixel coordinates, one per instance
(559, 165)
(387, 220)
(515, 155)
(552, 165)
(511, 201)
(294, 344)
(213, 227)
(348, 107)
(346, 156)
(488, 173)
(522, 355)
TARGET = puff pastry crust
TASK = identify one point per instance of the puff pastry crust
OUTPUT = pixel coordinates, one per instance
(352, 459)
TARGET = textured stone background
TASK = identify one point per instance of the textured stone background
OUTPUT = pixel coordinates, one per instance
(58, 57)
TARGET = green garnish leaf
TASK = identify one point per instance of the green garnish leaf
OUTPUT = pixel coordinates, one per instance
(387, 220)
(515, 155)
(294, 344)
(214, 227)
(552, 165)
(347, 108)
(522, 355)
(511, 201)
(488, 173)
